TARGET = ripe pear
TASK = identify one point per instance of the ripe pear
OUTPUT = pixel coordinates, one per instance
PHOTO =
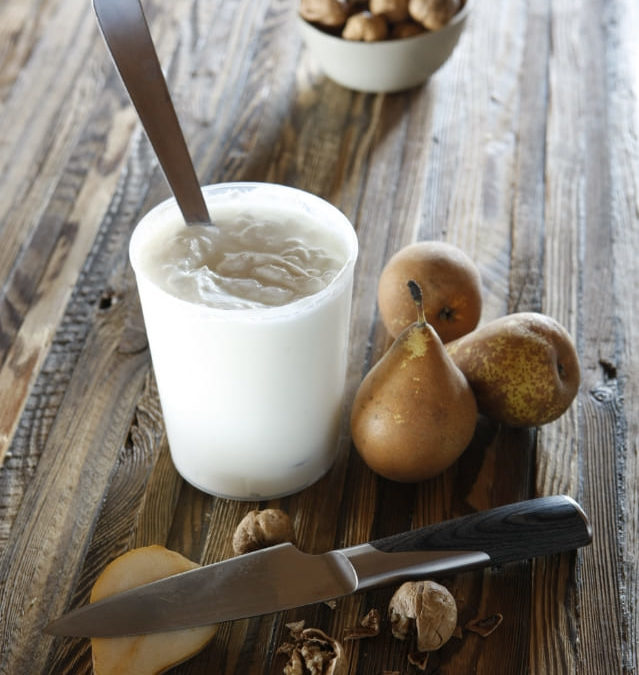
(523, 368)
(414, 413)
(450, 284)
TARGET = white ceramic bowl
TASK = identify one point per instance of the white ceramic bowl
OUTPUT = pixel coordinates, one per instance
(388, 65)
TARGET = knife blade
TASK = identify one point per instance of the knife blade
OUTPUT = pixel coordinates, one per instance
(282, 577)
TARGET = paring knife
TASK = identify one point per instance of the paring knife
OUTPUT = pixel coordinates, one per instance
(282, 577)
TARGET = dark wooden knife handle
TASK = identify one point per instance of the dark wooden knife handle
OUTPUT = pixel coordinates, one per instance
(517, 531)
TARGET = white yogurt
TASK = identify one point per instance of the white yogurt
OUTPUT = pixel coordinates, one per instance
(248, 260)
(248, 330)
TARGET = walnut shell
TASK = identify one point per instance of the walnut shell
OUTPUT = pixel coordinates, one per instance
(365, 27)
(393, 10)
(426, 607)
(261, 529)
(326, 12)
(433, 14)
(312, 651)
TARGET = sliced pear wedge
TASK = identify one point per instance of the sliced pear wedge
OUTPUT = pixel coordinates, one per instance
(144, 654)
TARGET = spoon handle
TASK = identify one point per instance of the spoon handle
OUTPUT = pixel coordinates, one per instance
(127, 36)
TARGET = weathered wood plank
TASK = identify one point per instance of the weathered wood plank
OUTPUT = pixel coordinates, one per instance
(623, 201)
(76, 223)
(581, 456)
(554, 625)
(77, 462)
(18, 32)
(59, 80)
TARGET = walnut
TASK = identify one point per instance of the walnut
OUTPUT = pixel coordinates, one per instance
(427, 607)
(405, 29)
(433, 14)
(312, 652)
(392, 10)
(261, 529)
(325, 12)
(365, 27)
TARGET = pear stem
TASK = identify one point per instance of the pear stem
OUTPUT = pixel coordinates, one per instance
(418, 299)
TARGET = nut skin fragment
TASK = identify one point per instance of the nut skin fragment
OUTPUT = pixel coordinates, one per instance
(433, 14)
(486, 625)
(365, 27)
(419, 659)
(261, 529)
(325, 12)
(427, 607)
(392, 10)
(369, 626)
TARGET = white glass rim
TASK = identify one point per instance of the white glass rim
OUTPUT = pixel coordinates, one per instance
(347, 234)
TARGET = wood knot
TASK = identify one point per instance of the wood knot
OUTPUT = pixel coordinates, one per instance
(602, 393)
(108, 298)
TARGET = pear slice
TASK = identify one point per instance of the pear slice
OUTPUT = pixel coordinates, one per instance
(149, 654)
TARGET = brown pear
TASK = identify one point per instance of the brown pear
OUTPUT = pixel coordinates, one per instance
(523, 368)
(414, 412)
(450, 284)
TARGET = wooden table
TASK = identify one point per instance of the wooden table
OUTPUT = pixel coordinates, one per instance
(523, 150)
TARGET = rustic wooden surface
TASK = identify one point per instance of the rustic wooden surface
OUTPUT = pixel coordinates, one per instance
(523, 150)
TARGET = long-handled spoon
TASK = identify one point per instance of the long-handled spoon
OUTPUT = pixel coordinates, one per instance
(127, 36)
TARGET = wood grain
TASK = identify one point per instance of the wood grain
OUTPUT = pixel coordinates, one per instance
(523, 150)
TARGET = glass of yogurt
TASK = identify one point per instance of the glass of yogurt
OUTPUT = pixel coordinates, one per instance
(248, 326)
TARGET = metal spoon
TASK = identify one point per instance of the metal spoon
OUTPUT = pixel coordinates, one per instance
(127, 36)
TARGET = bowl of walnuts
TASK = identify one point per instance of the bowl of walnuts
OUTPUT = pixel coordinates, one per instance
(381, 46)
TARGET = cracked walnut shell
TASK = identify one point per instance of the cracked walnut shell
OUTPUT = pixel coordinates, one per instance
(312, 652)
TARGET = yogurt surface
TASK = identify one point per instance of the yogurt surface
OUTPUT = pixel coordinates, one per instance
(247, 260)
